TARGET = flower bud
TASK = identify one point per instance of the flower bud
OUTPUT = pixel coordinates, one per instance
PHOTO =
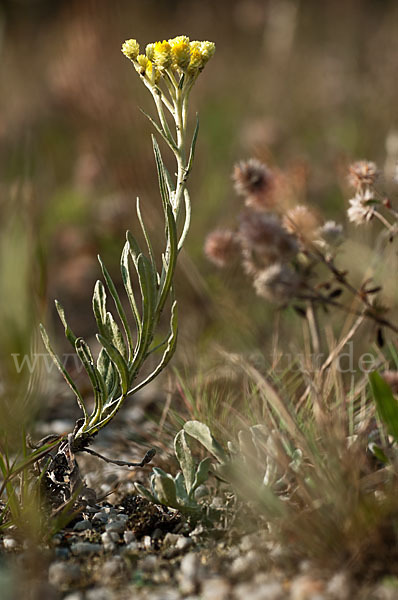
(180, 52)
(131, 49)
(162, 55)
(149, 50)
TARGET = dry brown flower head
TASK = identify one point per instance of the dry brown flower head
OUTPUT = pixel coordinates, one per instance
(221, 246)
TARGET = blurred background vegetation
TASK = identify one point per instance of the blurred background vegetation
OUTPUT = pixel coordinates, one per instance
(305, 86)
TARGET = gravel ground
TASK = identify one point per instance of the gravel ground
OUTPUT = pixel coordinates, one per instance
(127, 548)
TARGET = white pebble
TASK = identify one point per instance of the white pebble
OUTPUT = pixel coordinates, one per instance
(62, 574)
(85, 548)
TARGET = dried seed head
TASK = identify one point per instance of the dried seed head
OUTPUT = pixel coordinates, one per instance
(330, 234)
(264, 240)
(363, 174)
(301, 221)
(361, 209)
(255, 182)
(278, 283)
(221, 246)
(391, 377)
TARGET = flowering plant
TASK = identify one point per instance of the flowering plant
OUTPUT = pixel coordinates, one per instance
(168, 70)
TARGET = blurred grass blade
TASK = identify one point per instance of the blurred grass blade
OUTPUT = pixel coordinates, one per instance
(387, 405)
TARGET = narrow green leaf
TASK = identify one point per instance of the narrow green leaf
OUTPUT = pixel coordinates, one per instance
(378, 453)
(117, 360)
(146, 236)
(193, 146)
(118, 304)
(115, 335)
(161, 173)
(99, 307)
(168, 353)
(126, 277)
(187, 221)
(109, 374)
(168, 139)
(185, 458)
(168, 270)
(70, 336)
(100, 396)
(387, 405)
(202, 433)
(146, 278)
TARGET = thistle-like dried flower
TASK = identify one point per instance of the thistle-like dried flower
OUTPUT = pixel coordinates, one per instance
(131, 49)
(330, 235)
(361, 208)
(264, 241)
(221, 246)
(391, 377)
(363, 174)
(278, 283)
(255, 182)
(301, 221)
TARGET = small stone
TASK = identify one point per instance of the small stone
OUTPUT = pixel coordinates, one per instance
(305, 587)
(129, 537)
(101, 517)
(82, 526)
(99, 593)
(61, 553)
(112, 568)
(74, 596)
(271, 590)
(171, 539)
(106, 538)
(168, 594)
(189, 575)
(246, 564)
(122, 517)
(91, 509)
(115, 526)
(132, 548)
(216, 588)
(109, 510)
(9, 543)
(85, 548)
(61, 574)
(183, 543)
(148, 563)
(338, 587)
(147, 541)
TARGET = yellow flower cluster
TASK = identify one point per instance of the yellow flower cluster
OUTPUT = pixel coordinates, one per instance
(178, 54)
